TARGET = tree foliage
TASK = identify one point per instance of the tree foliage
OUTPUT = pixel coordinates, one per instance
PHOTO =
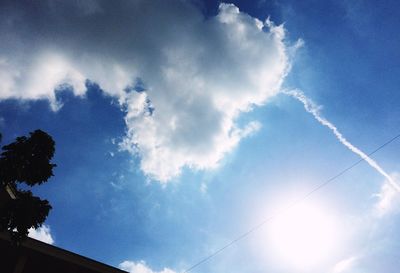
(25, 161)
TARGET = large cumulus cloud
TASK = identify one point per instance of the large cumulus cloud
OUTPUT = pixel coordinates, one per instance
(196, 75)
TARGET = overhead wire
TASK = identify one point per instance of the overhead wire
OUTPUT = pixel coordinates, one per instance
(289, 206)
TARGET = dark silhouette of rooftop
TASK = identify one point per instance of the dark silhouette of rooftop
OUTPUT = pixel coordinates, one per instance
(33, 256)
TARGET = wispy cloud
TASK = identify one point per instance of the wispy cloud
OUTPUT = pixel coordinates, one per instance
(43, 234)
(388, 199)
(314, 109)
(345, 265)
(141, 267)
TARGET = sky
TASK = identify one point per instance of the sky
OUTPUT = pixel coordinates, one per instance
(181, 125)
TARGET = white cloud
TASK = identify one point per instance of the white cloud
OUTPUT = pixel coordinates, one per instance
(199, 74)
(388, 199)
(42, 234)
(345, 265)
(141, 267)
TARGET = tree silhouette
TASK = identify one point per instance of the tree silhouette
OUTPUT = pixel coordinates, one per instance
(25, 161)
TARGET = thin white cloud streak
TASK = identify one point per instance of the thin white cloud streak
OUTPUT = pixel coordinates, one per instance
(42, 233)
(141, 267)
(314, 109)
(345, 265)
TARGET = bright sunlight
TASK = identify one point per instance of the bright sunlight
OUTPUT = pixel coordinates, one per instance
(304, 236)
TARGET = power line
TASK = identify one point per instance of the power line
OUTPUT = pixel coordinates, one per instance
(292, 204)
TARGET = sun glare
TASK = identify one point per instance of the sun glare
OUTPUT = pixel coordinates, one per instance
(304, 236)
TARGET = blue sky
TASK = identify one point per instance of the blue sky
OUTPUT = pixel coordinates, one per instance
(154, 179)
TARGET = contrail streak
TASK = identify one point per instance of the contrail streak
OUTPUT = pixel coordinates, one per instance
(313, 109)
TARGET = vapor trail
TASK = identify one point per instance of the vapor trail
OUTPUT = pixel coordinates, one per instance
(313, 109)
